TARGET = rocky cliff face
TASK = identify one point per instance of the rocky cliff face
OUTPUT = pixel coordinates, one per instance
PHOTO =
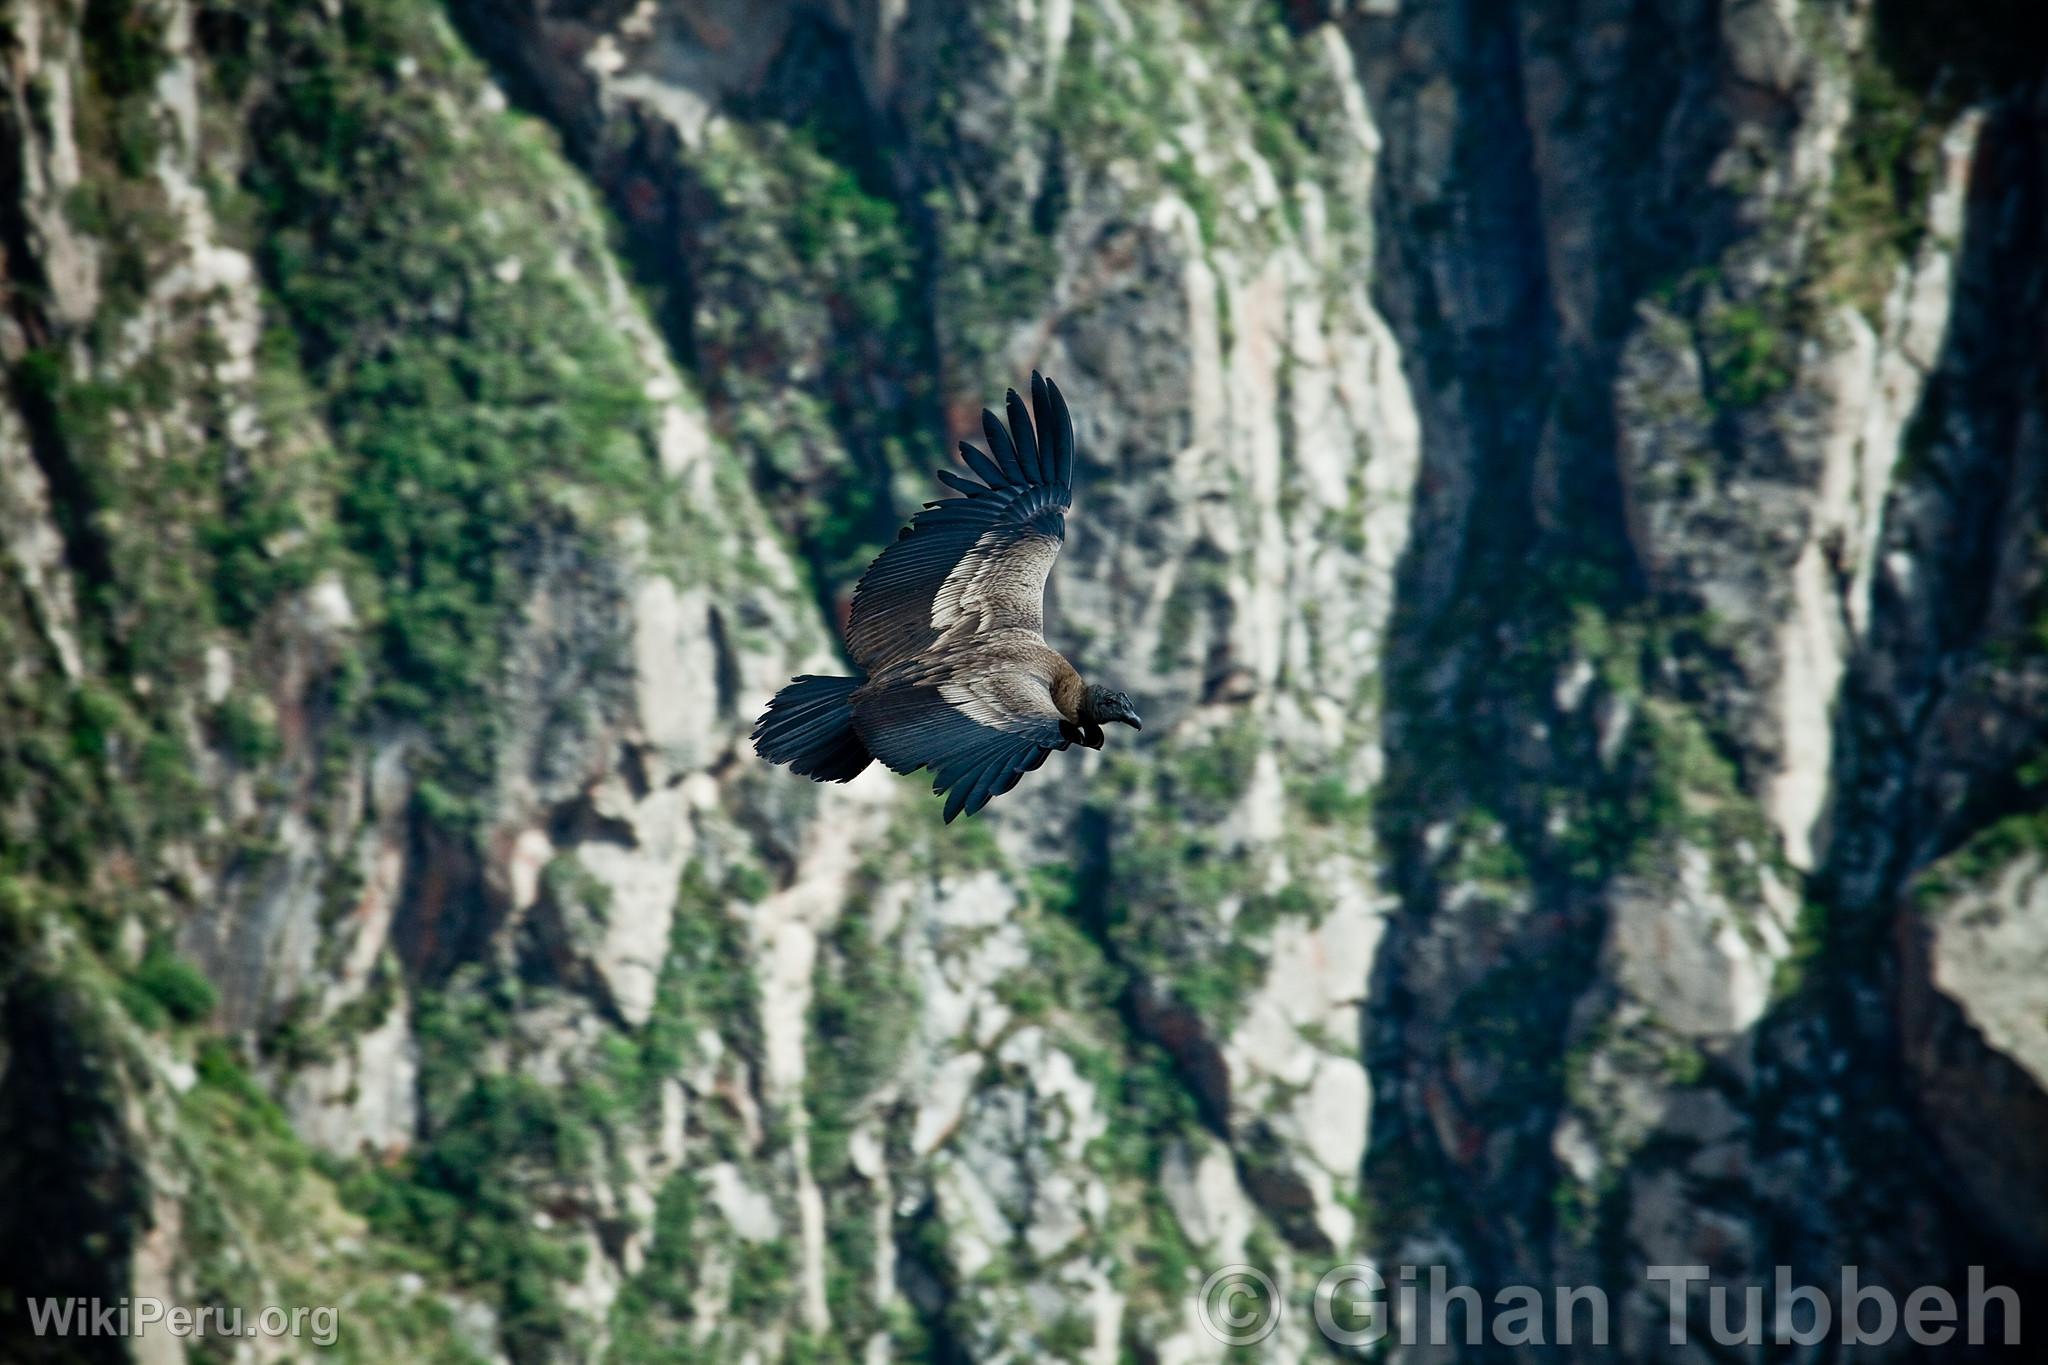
(1563, 483)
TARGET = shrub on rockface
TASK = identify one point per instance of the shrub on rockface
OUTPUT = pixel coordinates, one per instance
(165, 987)
(478, 393)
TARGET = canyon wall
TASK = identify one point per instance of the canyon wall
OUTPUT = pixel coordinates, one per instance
(1563, 483)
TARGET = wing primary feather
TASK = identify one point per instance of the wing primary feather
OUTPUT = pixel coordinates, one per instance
(1048, 436)
(1027, 444)
(956, 797)
(999, 778)
(1063, 431)
(1013, 777)
(1003, 448)
(977, 785)
(961, 799)
(983, 467)
(959, 483)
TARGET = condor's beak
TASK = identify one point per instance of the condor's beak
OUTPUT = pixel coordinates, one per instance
(1133, 721)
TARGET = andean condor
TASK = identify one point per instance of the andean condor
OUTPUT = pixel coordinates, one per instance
(948, 632)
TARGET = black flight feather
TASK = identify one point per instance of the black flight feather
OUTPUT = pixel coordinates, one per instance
(1004, 449)
(984, 469)
(1027, 443)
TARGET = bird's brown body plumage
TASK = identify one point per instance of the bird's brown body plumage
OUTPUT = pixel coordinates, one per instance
(948, 630)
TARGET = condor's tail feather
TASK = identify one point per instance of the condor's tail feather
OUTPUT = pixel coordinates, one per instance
(809, 726)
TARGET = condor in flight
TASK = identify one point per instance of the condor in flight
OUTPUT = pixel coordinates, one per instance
(948, 631)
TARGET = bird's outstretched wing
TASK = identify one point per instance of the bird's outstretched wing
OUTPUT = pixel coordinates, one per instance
(975, 563)
(979, 726)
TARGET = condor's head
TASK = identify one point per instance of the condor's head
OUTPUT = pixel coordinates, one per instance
(1101, 706)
